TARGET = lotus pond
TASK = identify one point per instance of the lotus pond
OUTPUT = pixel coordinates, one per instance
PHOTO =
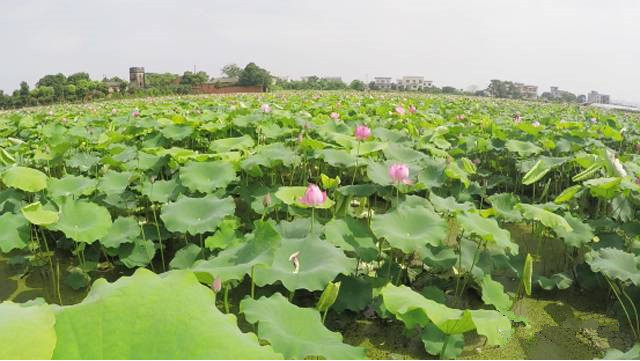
(319, 225)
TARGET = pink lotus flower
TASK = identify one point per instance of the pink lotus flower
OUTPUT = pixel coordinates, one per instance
(216, 286)
(400, 110)
(399, 173)
(313, 196)
(265, 108)
(362, 132)
(412, 109)
(460, 117)
(334, 115)
(135, 113)
(295, 259)
(535, 123)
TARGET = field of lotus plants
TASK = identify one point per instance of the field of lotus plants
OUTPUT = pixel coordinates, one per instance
(290, 225)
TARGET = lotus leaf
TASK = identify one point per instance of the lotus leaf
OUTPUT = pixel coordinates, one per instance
(25, 179)
(295, 332)
(615, 264)
(71, 185)
(83, 221)
(26, 331)
(206, 177)
(196, 215)
(549, 219)
(38, 215)
(488, 230)
(352, 235)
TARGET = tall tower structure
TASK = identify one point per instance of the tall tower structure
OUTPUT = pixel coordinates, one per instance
(136, 77)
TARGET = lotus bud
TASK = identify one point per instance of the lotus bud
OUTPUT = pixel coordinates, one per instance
(216, 286)
(266, 201)
(362, 132)
(399, 173)
(412, 109)
(265, 108)
(294, 258)
(517, 119)
(399, 110)
(460, 117)
(313, 196)
(135, 113)
(334, 115)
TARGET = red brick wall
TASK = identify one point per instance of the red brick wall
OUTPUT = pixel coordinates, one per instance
(211, 89)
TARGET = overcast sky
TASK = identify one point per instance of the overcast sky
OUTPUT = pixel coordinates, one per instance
(578, 45)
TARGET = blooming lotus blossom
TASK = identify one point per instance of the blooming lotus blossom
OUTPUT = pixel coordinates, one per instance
(362, 132)
(412, 109)
(460, 117)
(265, 108)
(400, 110)
(135, 113)
(535, 123)
(313, 196)
(216, 286)
(334, 115)
(399, 173)
(295, 259)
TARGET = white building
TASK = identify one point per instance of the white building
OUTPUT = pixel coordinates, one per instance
(595, 97)
(382, 82)
(413, 83)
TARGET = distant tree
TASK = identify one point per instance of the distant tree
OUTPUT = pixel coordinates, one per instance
(190, 79)
(373, 85)
(232, 71)
(449, 90)
(357, 85)
(255, 75)
(75, 78)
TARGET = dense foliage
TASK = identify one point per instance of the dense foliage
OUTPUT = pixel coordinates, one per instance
(391, 207)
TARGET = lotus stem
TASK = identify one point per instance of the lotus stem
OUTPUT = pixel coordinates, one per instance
(46, 247)
(58, 284)
(444, 346)
(324, 315)
(355, 170)
(155, 221)
(624, 308)
(226, 298)
(253, 284)
(635, 310)
(469, 274)
(312, 218)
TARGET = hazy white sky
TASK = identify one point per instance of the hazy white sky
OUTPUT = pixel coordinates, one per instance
(578, 45)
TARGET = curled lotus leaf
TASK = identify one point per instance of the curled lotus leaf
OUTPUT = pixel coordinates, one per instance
(39, 215)
(615, 264)
(548, 219)
(488, 230)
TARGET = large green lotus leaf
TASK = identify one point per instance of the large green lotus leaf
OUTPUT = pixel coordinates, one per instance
(615, 354)
(139, 253)
(185, 257)
(123, 230)
(410, 228)
(488, 230)
(114, 182)
(504, 205)
(177, 131)
(26, 179)
(493, 294)
(269, 156)
(38, 215)
(26, 331)
(434, 339)
(432, 172)
(367, 147)
(581, 233)
(355, 294)
(567, 194)
(358, 190)
(338, 158)
(14, 232)
(227, 144)
(523, 149)
(320, 263)
(403, 302)
(292, 195)
(460, 170)
(235, 262)
(225, 237)
(149, 316)
(196, 215)
(401, 153)
(296, 332)
(83, 221)
(206, 177)
(615, 264)
(352, 235)
(604, 187)
(549, 219)
(71, 185)
(378, 173)
(558, 280)
(449, 204)
(161, 191)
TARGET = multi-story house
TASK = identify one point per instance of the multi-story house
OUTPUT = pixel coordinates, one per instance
(595, 97)
(382, 82)
(527, 91)
(413, 83)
